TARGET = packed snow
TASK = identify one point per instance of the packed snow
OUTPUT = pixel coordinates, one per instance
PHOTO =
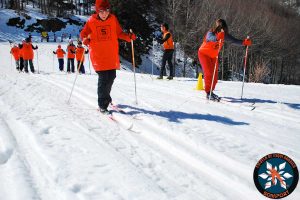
(172, 144)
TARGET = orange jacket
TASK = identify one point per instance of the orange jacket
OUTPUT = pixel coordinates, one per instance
(169, 44)
(71, 51)
(210, 49)
(104, 45)
(28, 51)
(60, 53)
(79, 53)
(15, 51)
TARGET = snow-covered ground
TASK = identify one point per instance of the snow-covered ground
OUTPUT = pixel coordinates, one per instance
(17, 34)
(179, 147)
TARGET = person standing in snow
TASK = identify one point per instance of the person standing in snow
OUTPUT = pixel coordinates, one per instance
(60, 53)
(168, 45)
(15, 51)
(71, 49)
(80, 51)
(208, 52)
(28, 54)
(101, 33)
(21, 55)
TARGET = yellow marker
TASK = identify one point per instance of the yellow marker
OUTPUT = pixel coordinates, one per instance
(200, 83)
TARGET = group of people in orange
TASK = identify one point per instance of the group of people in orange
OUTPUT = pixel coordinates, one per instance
(73, 52)
(23, 54)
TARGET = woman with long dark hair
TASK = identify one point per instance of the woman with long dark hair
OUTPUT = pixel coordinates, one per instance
(208, 53)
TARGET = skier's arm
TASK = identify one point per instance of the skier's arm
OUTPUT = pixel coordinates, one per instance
(161, 41)
(54, 52)
(85, 31)
(233, 40)
(121, 34)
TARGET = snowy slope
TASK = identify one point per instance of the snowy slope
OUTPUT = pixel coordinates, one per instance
(180, 147)
(17, 34)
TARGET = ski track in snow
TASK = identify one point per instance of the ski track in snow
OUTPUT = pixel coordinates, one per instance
(175, 149)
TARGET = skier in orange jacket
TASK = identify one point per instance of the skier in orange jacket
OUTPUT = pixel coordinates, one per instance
(101, 33)
(21, 55)
(80, 51)
(60, 53)
(168, 45)
(28, 54)
(209, 50)
(71, 49)
(15, 51)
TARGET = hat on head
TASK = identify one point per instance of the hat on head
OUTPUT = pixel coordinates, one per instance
(28, 39)
(59, 46)
(102, 5)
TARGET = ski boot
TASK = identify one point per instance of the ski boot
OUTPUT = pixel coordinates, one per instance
(213, 97)
(104, 111)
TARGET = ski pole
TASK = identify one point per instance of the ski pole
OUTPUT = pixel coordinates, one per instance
(53, 63)
(152, 58)
(10, 45)
(11, 62)
(133, 64)
(37, 59)
(212, 81)
(89, 63)
(245, 65)
(68, 102)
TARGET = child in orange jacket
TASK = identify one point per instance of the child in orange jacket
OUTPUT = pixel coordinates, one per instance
(28, 54)
(208, 52)
(71, 49)
(60, 53)
(80, 51)
(101, 32)
(168, 45)
(15, 51)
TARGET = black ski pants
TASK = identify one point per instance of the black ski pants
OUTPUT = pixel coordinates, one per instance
(26, 62)
(18, 64)
(71, 62)
(105, 82)
(61, 64)
(21, 63)
(81, 69)
(167, 57)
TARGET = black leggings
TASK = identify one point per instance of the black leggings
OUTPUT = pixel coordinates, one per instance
(105, 82)
(167, 56)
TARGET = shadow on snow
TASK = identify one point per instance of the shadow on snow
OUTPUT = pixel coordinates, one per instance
(255, 100)
(176, 116)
